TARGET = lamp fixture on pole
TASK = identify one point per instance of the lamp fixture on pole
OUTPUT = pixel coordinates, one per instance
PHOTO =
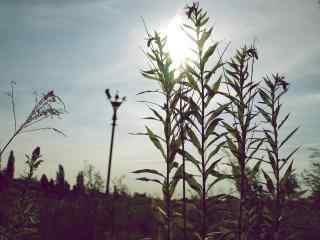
(116, 102)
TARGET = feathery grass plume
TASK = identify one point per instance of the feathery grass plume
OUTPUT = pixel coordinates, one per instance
(169, 143)
(281, 165)
(242, 141)
(204, 112)
(48, 106)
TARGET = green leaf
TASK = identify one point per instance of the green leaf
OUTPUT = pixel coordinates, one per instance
(152, 77)
(211, 169)
(231, 130)
(152, 171)
(232, 147)
(213, 70)
(192, 82)
(190, 158)
(266, 115)
(193, 183)
(284, 120)
(270, 139)
(269, 182)
(292, 153)
(265, 98)
(212, 126)
(154, 139)
(288, 137)
(144, 179)
(194, 139)
(204, 37)
(218, 179)
(190, 27)
(255, 169)
(287, 174)
(216, 150)
(209, 53)
(157, 114)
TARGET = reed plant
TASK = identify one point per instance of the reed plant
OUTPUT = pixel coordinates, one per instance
(278, 180)
(242, 140)
(168, 142)
(204, 111)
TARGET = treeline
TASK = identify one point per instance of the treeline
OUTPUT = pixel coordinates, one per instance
(50, 209)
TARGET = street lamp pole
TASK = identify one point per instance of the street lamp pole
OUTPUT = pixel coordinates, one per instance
(115, 103)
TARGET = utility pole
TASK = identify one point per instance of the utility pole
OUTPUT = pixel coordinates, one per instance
(115, 103)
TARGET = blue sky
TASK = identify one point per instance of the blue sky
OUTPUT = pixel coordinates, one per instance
(79, 48)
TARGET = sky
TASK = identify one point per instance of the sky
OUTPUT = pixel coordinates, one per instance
(78, 48)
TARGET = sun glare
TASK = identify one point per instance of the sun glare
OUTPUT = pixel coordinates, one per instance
(177, 42)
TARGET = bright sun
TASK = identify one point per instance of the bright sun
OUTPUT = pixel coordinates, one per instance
(177, 42)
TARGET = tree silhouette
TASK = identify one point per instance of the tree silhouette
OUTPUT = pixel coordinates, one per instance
(9, 172)
(60, 176)
(311, 179)
(62, 186)
(44, 181)
(79, 187)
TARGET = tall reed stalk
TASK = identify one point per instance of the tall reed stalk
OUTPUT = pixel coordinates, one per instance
(204, 111)
(281, 167)
(241, 139)
(169, 142)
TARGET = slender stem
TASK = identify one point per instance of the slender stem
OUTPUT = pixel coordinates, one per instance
(167, 133)
(8, 143)
(242, 153)
(114, 118)
(183, 167)
(277, 169)
(13, 107)
(203, 163)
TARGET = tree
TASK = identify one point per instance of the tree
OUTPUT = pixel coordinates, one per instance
(44, 182)
(9, 172)
(60, 176)
(311, 178)
(79, 187)
(92, 179)
(61, 184)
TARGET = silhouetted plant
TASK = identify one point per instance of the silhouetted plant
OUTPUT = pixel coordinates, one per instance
(204, 112)
(311, 178)
(33, 163)
(62, 186)
(9, 172)
(282, 167)
(23, 214)
(242, 141)
(168, 144)
(255, 199)
(48, 106)
(93, 179)
(79, 187)
(44, 182)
